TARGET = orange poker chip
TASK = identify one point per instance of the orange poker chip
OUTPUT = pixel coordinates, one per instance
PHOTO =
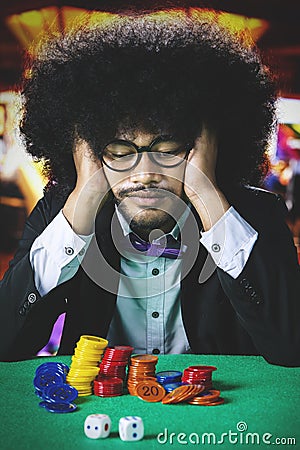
(208, 396)
(144, 359)
(142, 367)
(182, 394)
(150, 391)
(216, 402)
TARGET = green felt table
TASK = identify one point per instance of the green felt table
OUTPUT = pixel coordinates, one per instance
(261, 397)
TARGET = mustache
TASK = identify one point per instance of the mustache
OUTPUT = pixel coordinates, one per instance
(131, 190)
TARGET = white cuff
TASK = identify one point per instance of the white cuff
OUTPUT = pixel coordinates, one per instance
(56, 254)
(230, 242)
(61, 242)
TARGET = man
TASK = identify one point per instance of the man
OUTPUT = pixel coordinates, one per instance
(151, 129)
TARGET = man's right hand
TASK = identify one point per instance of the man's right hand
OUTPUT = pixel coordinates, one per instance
(91, 187)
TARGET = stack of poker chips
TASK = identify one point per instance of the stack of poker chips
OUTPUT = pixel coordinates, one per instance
(169, 379)
(50, 385)
(115, 361)
(142, 367)
(207, 398)
(182, 393)
(199, 375)
(84, 367)
(112, 373)
(108, 387)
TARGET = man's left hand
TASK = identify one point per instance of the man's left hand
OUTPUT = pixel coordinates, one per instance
(200, 182)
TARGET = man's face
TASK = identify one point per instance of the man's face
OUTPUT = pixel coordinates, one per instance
(148, 195)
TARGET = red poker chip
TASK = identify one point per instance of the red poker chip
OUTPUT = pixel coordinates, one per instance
(108, 387)
(113, 363)
(203, 369)
(110, 381)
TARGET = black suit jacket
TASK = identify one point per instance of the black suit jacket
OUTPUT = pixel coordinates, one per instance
(256, 314)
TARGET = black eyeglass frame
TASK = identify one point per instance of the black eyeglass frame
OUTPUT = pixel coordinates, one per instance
(147, 148)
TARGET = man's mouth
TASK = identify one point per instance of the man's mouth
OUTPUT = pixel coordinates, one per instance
(147, 197)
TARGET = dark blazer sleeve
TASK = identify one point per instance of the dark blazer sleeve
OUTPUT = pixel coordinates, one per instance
(266, 295)
(26, 318)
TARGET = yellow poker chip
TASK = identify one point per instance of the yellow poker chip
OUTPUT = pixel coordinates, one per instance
(81, 383)
(83, 363)
(86, 350)
(87, 355)
(82, 376)
(93, 341)
(91, 369)
(78, 376)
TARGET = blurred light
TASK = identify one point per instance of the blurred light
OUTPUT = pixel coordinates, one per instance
(2, 119)
(289, 110)
(31, 26)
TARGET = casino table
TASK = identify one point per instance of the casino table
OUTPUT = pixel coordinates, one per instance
(261, 408)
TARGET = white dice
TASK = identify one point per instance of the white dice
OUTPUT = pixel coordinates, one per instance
(97, 426)
(131, 428)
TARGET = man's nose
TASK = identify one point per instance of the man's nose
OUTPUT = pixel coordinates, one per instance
(146, 171)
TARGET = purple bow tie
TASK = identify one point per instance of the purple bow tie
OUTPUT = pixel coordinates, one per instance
(173, 249)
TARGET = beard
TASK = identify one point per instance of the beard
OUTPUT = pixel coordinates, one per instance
(144, 219)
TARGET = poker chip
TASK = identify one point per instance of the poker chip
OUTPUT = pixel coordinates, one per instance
(45, 379)
(50, 385)
(56, 366)
(199, 375)
(208, 398)
(43, 404)
(182, 394)
(168, 376)
(142, 367)
(84, 363)
(150, 391)
(112, 369)
(108, 387)
(171, 386)
(61, 393)
(60, 407)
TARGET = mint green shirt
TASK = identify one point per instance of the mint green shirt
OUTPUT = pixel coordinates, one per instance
(148, 310)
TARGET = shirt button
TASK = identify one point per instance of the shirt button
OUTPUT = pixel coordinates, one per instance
(69, 251)
(31, 297)
(155, 271)
(215, 248)
(156, 351)
(155, 315)
(81, 252)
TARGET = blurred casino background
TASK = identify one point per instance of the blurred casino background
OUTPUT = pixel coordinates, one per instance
(273, 25)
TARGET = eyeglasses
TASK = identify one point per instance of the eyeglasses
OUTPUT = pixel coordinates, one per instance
(121, 155)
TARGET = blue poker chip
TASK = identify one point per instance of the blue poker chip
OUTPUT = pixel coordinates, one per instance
(51, 371)
(62, 393)
(171, 386)
(38, 392)
(59, 367)
(44, 379)
(60, 407)
(168, 376)
(43, 404)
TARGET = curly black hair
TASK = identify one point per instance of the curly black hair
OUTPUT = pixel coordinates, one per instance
(162, 73)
